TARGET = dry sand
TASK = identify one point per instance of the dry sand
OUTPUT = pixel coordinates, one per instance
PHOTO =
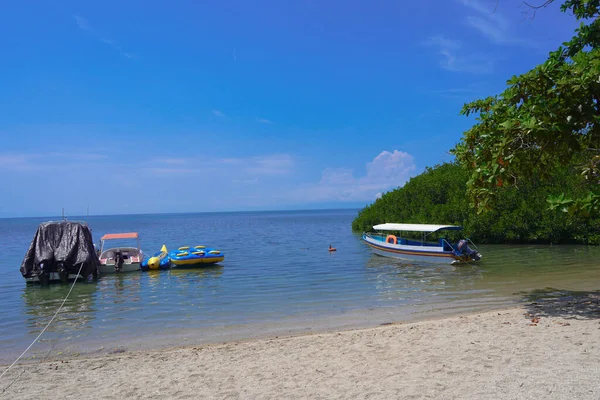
(492, 355)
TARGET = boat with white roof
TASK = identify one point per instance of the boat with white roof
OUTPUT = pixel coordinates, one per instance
(441, 251)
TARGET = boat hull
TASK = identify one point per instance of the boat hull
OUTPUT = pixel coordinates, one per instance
(132, 259)
(428, 254)
(110, 268)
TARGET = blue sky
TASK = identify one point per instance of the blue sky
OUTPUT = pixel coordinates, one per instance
(142, 107)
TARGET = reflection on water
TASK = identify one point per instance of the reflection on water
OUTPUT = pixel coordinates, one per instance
(505, 273)
(396, 280)
(277, 272)
(71, 323)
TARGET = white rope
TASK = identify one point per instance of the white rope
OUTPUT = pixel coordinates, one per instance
(47, 326)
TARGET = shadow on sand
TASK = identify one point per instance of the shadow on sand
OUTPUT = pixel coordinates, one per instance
(569, 304)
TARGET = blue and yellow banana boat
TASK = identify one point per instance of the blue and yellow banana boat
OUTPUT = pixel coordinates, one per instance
(187, 256)
(159, 260)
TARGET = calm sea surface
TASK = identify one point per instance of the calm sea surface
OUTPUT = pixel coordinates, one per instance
(277, 278)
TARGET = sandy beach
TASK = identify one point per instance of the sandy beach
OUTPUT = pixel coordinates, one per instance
(532, 352)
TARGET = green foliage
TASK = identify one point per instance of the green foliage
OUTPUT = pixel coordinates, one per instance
(437, 196)
(434, 197)
(546, 117)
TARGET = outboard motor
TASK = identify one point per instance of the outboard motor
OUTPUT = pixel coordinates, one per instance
(44, 274)
(119, 260)
(63, 272)
(464, 250)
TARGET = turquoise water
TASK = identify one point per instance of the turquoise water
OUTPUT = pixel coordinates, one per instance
(277, 278)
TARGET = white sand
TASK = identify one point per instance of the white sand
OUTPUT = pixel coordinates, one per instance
(493, 355)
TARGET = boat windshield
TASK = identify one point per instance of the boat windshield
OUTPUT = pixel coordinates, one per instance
(116, 240)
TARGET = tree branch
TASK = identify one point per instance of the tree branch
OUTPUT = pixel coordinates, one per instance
(535, 8)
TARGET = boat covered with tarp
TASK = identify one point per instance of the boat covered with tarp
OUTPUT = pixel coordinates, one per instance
(443, 250)
(61, 251)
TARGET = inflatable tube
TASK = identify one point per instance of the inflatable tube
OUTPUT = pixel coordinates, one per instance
(160, 260)
(195, 258)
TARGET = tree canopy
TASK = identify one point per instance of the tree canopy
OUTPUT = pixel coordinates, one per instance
(546, 117)
(437, 196)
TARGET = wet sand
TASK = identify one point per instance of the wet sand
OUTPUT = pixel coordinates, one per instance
(546, 349)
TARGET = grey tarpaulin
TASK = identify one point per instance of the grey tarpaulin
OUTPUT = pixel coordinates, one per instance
(64, 242)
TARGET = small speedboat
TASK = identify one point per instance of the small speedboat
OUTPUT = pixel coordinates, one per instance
(187, 256)
(441, 251)
(160, 260)
(120, 259)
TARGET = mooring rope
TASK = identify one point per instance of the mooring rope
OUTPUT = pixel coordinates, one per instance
(45, 328)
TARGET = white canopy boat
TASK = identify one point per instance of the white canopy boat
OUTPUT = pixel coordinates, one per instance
(120, 259)
(441, 251)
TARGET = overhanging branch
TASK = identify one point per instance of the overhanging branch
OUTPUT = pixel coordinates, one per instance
(533, 8)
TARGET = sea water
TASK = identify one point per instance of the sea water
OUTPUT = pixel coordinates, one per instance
(278, 278)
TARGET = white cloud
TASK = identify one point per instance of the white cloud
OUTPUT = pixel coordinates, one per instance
(218, 113)
(243, 168)
(477, 6)
(76, 155)
(275, 164)
(177, 161)
(37, 161)
(245, 181)
(172, 171)
(492, 24)
(264, 121)
(443, 42)
(272, 164)
(263, 181)
(387, 171)
(84, 25)
(17, 162)
(460, 94)
(454, 58)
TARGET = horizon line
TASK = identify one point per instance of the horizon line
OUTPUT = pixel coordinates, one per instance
(82, 217)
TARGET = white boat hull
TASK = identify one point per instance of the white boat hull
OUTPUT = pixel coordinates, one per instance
(427, 254)
(132, 259)
(110, 268)
(415, 258)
